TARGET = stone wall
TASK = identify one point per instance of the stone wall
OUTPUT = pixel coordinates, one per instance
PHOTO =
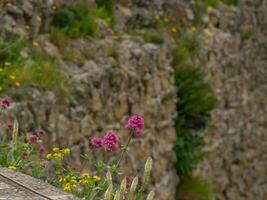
(136, 79)
(237, 62)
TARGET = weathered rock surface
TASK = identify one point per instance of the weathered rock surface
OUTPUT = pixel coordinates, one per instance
(113, 79)
(238, 66)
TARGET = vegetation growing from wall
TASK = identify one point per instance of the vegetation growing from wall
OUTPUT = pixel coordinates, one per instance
(25, 152)
(195, 188)
(18, 72)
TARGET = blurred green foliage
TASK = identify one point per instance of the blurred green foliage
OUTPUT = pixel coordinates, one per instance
(195, 188)
(151, 36)
(76, 20)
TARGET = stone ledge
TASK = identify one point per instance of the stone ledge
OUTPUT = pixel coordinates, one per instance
(10, 190)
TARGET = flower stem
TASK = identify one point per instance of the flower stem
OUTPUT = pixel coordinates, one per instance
(124, 149)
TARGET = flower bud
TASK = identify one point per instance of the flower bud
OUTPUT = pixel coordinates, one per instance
(108, 193)
(151, 195)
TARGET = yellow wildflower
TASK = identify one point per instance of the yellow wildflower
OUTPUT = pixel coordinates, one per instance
(12, 167)
(96, 178)
(66, 151)
(54, 7)
(209, 8)
(57, 156)
(8, 4)
(17, 84)
(7, 63)
(12, 77)
(174, 30)
(208, 32)
(49, 156)
(193, 29)
(1, 69)
(35, 43)
(166, 20)
(39, 18)
(67, 188)
(56, 149)
(27, 27)
(86, 175)
(115, 37)
(157, 18)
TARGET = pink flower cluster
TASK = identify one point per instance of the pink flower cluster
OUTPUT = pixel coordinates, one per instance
(6, 103)
(110, 141)
(32, 138)
(135, 124)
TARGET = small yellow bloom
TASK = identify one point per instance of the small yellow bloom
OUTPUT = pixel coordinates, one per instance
(96, 178)
(39, 18)
(17, 84)
(157, 18)
(85, 175)
(27, 27)
(49, 156)
(7, 63)
(193, 29)
(210, 25)
(208, 32)
(62, 180)
(56, 149)
(66, 151)
(115, 37)
(8, 4)
(174, 30)
(67, 188)
(54, 7)
(1, 69)
(12, 167)
(57, 156)
(35, 43)
(12, 77)
(209, 9)
(166, 20)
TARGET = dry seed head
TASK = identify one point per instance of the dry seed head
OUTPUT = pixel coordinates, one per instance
(108, 193)
(123, 187)
(148, 167)
(117, 195)
(134, 185)
(151, 195)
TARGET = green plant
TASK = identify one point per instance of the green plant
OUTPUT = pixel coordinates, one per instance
(22, 152)
(76, 20)
(153, 37)
(195, 94)
(195, 188)
(44, 73)
(186, 49)
(104, 10)
(11, 61)
(195, 101)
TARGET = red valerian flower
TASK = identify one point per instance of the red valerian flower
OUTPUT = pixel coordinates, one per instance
(9, 126)
(6, 103)
(136, 124)
(111, 140)
(41, 150)
(96, 142)
(33, 138)
(25, 153)
(111, 136)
